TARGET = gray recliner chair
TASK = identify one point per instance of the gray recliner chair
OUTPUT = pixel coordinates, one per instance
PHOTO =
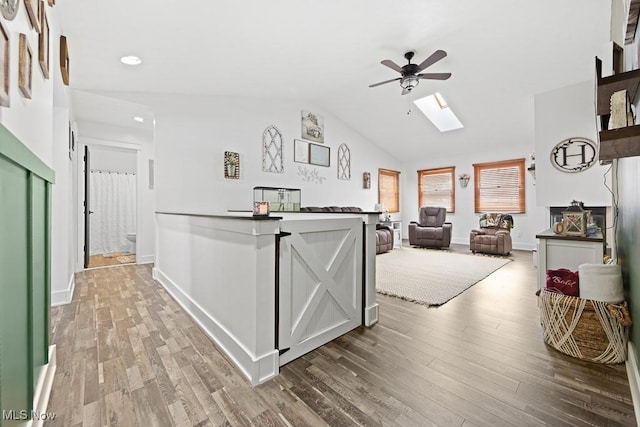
(430, 230)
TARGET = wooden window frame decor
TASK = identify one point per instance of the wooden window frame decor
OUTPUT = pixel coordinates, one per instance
(43, 42)
(64, 60)
(449, 170)
(319, 155)
(25, 66)
(33, 8)
(300, 151)
(5, 57)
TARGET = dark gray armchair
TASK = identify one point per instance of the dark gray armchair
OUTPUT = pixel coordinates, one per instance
(430, 230)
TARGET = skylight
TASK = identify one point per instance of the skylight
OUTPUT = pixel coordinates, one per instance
(436, 109)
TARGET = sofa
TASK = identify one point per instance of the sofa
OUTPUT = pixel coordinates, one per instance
(493, 236)
(384, 233)
(430, 230)
(384, 238)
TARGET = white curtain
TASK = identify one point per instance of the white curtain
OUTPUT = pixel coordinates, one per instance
(113, 202)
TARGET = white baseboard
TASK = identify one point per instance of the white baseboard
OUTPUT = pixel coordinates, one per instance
(65, 296)
(43, 390)
(634, 378)
(257, 369)
(145, 259)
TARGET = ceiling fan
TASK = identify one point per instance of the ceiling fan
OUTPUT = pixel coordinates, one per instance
(411, 74)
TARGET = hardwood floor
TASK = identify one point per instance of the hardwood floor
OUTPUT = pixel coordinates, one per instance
(128, 355)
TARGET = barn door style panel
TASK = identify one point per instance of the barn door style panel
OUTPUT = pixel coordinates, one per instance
(320, 289)
(25, 188)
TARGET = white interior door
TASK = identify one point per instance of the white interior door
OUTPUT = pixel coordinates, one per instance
(320, 289)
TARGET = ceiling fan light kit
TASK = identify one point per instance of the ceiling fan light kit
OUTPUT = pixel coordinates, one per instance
(411, 74)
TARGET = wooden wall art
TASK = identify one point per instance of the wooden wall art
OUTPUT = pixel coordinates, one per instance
(33, 11)
(43, 43)
(4, 66)
(64, 60)
(231, 165)
(25, 66)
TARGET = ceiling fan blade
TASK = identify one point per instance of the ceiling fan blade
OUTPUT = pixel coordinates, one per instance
(386, 81)
(389, 63)
(435, 57)
(434, 76)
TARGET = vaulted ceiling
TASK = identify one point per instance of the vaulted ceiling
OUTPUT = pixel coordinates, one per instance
(501, 53)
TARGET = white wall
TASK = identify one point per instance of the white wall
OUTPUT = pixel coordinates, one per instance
(465, 219)
(560, 114)
(193, 132)
(109, 144)
(113, 159)
(42, 124)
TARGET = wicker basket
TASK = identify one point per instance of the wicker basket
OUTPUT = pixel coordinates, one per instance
(590, 330)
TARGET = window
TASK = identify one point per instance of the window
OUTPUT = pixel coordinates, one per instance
(436, 188)
(389, 189)
(499, 186)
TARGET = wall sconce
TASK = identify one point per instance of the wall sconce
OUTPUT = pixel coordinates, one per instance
(464, 180)
(532, 167)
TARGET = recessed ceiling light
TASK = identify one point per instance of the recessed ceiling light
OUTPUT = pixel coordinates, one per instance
(131, 60)
(139, 119)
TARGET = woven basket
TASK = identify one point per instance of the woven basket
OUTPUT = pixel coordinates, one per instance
(590, 330)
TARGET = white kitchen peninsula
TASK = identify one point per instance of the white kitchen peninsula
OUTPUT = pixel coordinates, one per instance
(269, 289)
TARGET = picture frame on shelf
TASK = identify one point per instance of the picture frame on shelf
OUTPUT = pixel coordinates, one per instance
(43, 42)
(25, 66)
(5, 58)
(64, 60)
(319, 155)
(33, 8)
(300, 151)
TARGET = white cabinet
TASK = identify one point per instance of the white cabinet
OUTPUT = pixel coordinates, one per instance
(558, 251)
(396, 226)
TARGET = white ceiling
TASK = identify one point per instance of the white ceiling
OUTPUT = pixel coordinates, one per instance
(501, 53)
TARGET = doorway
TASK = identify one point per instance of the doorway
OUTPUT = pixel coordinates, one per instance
(110, 209)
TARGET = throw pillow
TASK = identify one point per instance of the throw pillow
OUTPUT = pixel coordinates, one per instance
(563, 281)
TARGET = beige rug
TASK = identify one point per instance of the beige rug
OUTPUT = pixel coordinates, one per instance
(431, 277)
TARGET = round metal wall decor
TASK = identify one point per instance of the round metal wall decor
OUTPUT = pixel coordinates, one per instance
(574, 154)
(9, 8)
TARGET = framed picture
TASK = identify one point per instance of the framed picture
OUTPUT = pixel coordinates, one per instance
(366, 180)
(43, 42)
(319, 155)
(33, 10)
(4, 66)
(64, 60)
(25, 67)
(300, 151)
(231, 165)
(312, 127)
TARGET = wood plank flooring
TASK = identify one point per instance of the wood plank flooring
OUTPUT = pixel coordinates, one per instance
(128, 355)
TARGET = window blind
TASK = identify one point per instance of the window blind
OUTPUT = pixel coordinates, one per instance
(389, 189)
(436, 188)
(499, 186)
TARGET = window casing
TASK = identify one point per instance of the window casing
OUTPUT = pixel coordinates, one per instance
(436, 187)
(389, 189)
(499, 186)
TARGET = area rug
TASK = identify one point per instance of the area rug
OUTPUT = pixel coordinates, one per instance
(126, 259)
(431, 277)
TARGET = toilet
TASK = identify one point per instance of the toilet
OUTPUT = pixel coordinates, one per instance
(132, 238)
